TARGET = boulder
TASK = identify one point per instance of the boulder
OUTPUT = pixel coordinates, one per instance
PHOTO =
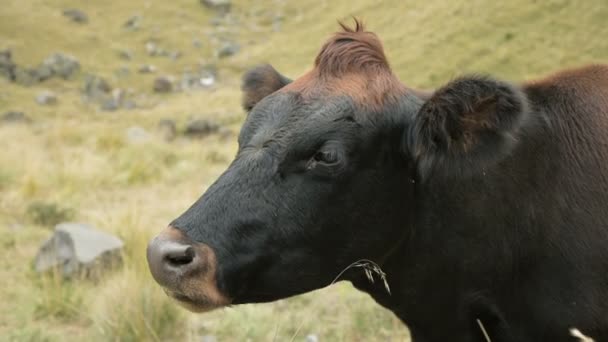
(137, 135)
(222, 6)
(200, 128)
(14, 117)
(163, 84)
(96, 88)
(76, 15)
(227, 49)
(133, 22)
(7, 66)
(147, 69)
(62, 65)
(78, 248)
(46, 98)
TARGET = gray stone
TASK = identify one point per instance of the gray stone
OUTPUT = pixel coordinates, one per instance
(197, 43)
(46, 97)
(208, 338)
(43, 72)
(78, 248)
(133, 23)
(96, 88)
(62, 65)
(24, 76)
(312, 338)
(167, 129)
(127, 55)
(152, 48)
(14, 117)
(222, 6)
(76, 15)
(137, 135)
(146, 69)
(163, 84)
(7, 66)
(200, 128)
(227, 49)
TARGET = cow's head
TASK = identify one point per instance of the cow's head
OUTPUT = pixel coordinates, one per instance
(327, 173)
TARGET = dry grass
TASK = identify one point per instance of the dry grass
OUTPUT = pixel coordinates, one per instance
(75, 157)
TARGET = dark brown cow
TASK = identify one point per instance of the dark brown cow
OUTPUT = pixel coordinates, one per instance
(485, 202)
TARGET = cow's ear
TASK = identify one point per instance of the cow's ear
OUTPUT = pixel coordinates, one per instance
(260, 82)
(466, 126)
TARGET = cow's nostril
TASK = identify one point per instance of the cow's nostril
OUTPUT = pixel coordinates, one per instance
(180, 256)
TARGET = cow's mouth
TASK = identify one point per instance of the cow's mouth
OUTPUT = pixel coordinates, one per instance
(186, 270)
(200, 303)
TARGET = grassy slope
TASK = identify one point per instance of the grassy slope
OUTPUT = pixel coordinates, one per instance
(77, 157)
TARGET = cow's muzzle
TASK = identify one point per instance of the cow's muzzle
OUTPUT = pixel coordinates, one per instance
(187, 270)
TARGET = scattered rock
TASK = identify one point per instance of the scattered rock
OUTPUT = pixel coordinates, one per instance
(46, 98)
(152, 48)
(96, 88)
(14, 117)
(62, 65)
(147, 69)
(167, 129)
(200, 128)
(208, 338)
(7, 66)
(25, 77)
(127, 55)
(174, 55)
(222, 6)
(137, 135)
(163, 84)
(197, 43)
(78, 248)
(205, 77)
(312, 338)
(227, 49)
(76, 15)
(133, 23)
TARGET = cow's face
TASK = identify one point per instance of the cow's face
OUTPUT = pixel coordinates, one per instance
(324, 176)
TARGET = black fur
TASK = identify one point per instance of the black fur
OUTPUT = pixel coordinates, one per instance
(260, 82)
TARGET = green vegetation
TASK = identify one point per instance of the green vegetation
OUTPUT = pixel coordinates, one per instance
(74, 161)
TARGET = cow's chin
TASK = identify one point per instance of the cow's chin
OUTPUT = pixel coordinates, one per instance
(200, 302)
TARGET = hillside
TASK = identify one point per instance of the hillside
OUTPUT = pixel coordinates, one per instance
(113, 168)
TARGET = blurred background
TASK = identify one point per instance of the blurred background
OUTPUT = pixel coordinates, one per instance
(118, 114)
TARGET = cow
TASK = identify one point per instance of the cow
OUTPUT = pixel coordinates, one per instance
(483, 205)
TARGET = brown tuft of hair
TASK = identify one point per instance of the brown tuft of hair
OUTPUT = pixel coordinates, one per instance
(352, 63)
(351, 50)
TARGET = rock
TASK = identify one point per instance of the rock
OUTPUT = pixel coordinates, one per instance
(167, 129)
(96, 88)
(312, 338)
(197, 43)
(7, 66)
(200, 128)
(25, 77)
(62, 65)
(43, 72)
(76, 15)
(46, 98)
(222, 6)
(78, 248)
(127, 55)
(175, 55)
(163, 84)
(133, 23)
(137, 135)
(208, 338)
(147, 69)
(14, 117)
(227, 49)
(204, 78)
(152, 49)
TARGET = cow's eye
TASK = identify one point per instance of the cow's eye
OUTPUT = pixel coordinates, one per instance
(326, 157)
